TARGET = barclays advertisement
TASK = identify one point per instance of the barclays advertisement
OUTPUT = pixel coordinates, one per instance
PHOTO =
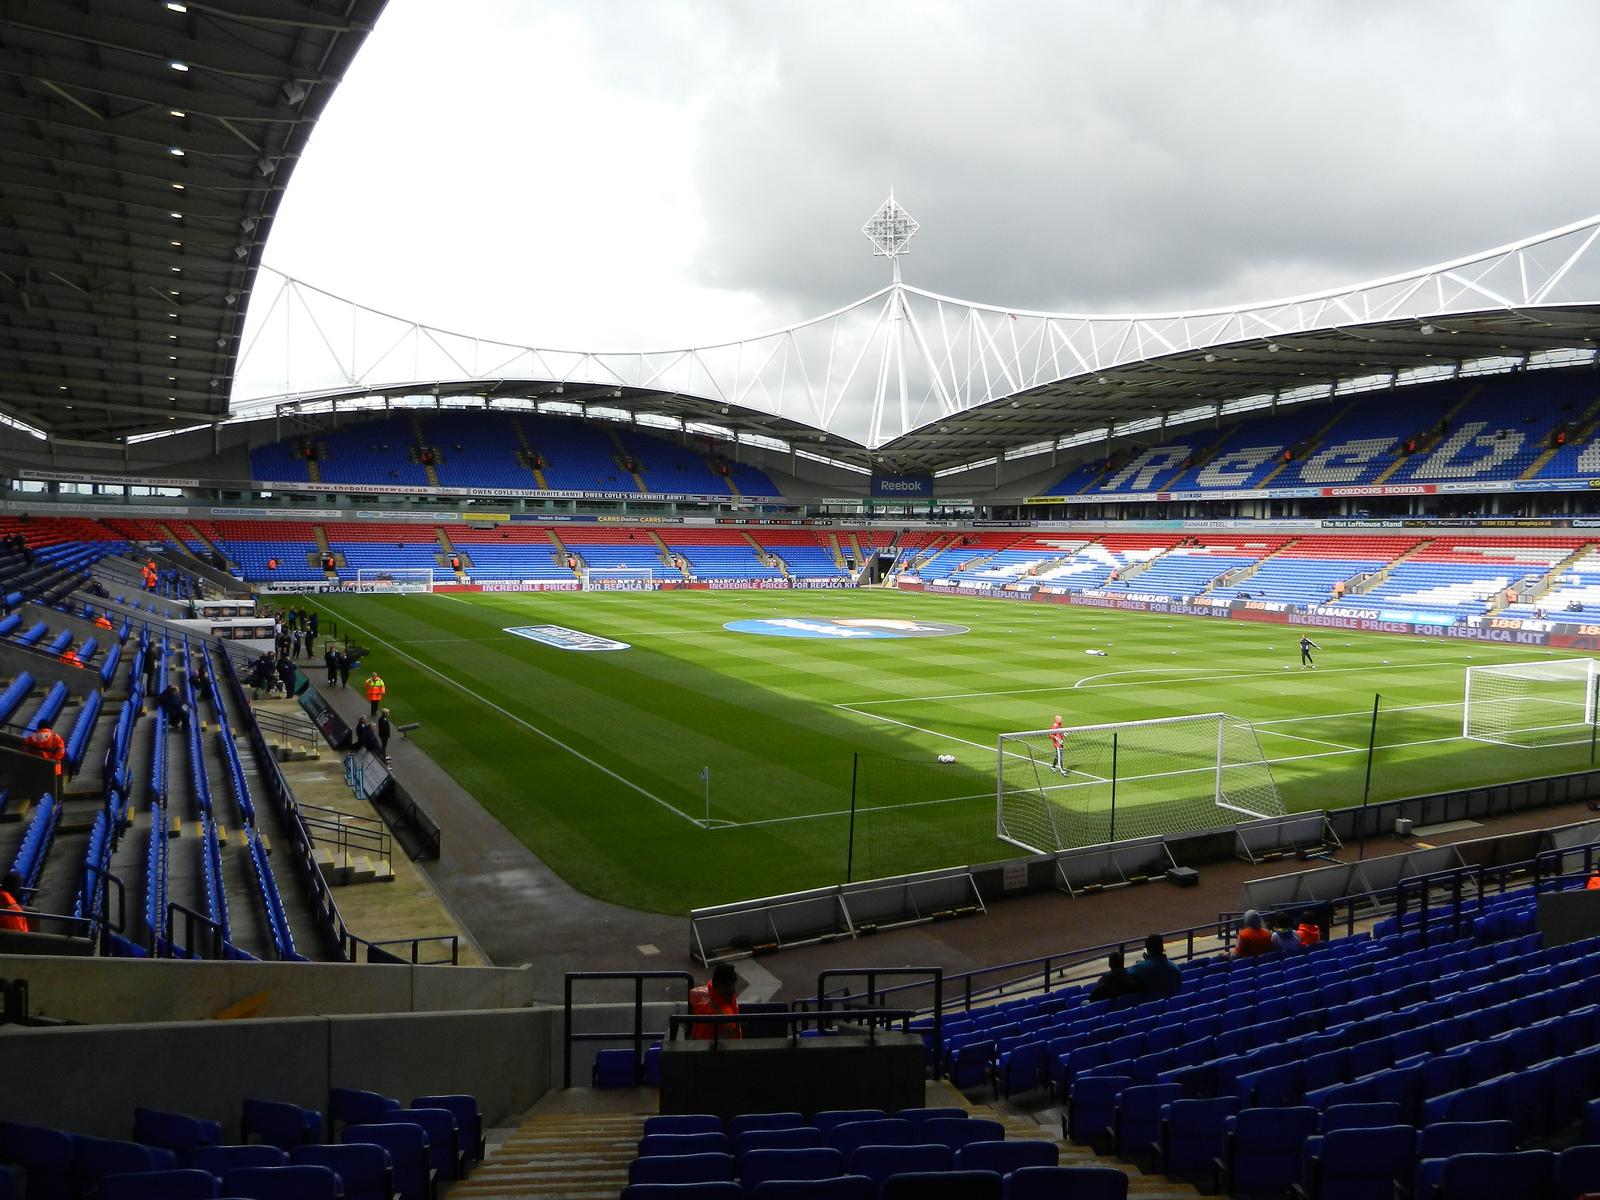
(902, 487)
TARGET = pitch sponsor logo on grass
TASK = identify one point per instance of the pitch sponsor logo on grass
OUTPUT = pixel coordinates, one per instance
(844, 628)
(563, 638)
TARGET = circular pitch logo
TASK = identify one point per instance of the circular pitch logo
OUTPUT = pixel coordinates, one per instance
(840, 629)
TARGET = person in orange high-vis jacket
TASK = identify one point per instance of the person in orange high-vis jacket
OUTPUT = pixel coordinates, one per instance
(717, 996)
(12, 917)
(1309, 931)
(47, 744)
(1594, 881)
(375, 689)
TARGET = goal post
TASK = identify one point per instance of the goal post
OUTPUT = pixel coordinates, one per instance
(618, 579)
(1130, 779)
(394, 579)
(1549, 703)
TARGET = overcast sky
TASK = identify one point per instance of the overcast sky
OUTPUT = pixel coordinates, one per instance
(603, 174)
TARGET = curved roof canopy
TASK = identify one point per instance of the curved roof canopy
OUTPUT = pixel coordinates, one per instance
(144, 147)
(908, 379)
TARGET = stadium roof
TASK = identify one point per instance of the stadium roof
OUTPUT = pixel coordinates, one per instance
(144, 148)
(909, 380)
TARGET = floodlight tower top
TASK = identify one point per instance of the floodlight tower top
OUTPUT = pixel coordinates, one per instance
(890, 231)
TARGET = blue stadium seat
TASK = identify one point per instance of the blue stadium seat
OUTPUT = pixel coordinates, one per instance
(408, 1154)
(683, 1123)
(219, 1160)
(1008, 1156)
(279, 1124)
(947, 1185)
(304, 1182)
(174, 1131)
(469, 1121)
(1262, 1149)
(1529, 1173)
(884, 1131)
(43, 1154)
(845, 1187)
(748, 1122)
(179, 1184)
(759, 1166)
(689, 1168)
(878, 1163)
(1066, 1183)
(653, 1144)
(364, 1171)
(803, 1137)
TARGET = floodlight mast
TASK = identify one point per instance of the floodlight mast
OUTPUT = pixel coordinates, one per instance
(890, 231)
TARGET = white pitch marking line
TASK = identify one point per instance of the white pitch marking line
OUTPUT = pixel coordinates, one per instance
(1314, 741)
(511, 716)
(1146, 682)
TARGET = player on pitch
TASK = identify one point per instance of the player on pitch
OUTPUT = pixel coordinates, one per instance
(1058, 739)
(1306, 647)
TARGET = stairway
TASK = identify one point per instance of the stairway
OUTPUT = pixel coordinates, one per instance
(529, 454)
(1582, 430)
(324, 549)
(733, 487)
(1312, 443)
(447, 548)
(584, 1156)
(625, 455)
(559, 1156)
(1429, 442)
(833, 548)
(665, 553)
(1378, 576)
(562, 553)
(1134, 570)
(1240, 574)
(1548, 580)
(211, 544)
(169, 535)
(419, 444)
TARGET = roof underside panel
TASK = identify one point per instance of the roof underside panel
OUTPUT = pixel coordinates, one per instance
(144, 148)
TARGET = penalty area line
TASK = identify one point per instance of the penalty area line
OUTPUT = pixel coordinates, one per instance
(531, 728)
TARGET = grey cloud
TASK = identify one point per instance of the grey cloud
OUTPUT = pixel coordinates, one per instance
(1141, 155)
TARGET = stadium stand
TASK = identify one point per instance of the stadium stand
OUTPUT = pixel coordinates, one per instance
(497, 449)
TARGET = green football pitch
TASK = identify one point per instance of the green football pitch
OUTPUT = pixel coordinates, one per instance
(701, 765)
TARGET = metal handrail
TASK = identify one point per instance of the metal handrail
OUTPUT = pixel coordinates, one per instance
(871, 1018)
(935, 974)
(639, 1033)
(193, 920)
(326, 908)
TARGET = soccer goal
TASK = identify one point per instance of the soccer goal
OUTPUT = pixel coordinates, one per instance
(396, 579)
(619, 579)
(1550, 703)
(1130, 779)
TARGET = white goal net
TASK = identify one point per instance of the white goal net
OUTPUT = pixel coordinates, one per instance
(399, 579)
(1091, 784)
(619, 579)
(1550, 703)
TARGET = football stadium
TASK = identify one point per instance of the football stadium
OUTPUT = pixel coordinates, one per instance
(933, 749)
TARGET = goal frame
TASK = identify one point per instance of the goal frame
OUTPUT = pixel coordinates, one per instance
(597, 579)
(401, 580)
(1587, 674)
(1218, 797)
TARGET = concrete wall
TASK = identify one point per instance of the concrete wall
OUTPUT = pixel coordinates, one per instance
(110, 990)
(97, 1075)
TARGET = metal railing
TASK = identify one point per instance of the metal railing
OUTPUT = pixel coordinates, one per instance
(638, 1036)
(325, 908)
(344, 831)
(287, 730)
(871, 1019)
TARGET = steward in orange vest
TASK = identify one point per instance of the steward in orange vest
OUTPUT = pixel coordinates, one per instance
(375, 690)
